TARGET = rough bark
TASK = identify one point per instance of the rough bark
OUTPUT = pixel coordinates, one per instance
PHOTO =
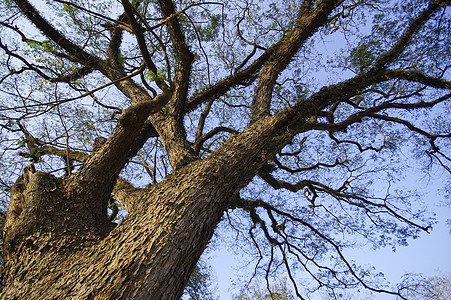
(55, 242)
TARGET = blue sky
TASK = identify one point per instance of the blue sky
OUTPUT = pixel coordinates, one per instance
(428, 255)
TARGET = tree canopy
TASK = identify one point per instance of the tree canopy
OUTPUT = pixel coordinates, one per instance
(130, 130)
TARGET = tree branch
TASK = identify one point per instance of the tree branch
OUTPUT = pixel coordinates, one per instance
(415, 76)
(388, 57)
(138, 30)
(250, 206)
(200, 141)
(81, 55)
(184, 57)
(288, 46)
(346, 89)
(37, 149)
(115, 42)
(126, 194)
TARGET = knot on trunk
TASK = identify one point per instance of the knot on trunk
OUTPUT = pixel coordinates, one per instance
(30, 203)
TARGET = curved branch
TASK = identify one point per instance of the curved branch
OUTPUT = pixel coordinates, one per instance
(357, 117)
(312, 167)
(280, 184)
(357, 144)
(404, 40)
(200, 141)
(81, 55)
(255, 46)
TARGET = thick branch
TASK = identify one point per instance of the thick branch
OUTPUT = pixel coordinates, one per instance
(184, 57)
(404, 40)
(288, 47)
(33, 15)
(126, 194)
(97, 177)
(65, 154)
(419, 77)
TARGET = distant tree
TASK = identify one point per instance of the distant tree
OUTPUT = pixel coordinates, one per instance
(349, 295)
(185, 113)
(437, 287)
(201, 284)
(277, 290)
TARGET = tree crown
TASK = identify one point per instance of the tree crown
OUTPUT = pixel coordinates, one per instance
(145, 89)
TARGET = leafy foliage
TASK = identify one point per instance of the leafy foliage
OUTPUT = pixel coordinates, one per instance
(276, 291)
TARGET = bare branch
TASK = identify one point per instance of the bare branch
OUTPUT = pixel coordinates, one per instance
(29, 65)
(138, 30)
(200, 141)
(52, 104)
(119, 21)
(250, 206)
(202, 118)
(312, 167)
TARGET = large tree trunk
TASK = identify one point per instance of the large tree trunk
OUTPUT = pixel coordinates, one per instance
(56, 248)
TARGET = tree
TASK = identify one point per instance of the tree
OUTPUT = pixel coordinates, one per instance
(200, 285)
(277, 291)
(436, 287)
(183, 113)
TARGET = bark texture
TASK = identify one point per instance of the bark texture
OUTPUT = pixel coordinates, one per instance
(54, 241)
